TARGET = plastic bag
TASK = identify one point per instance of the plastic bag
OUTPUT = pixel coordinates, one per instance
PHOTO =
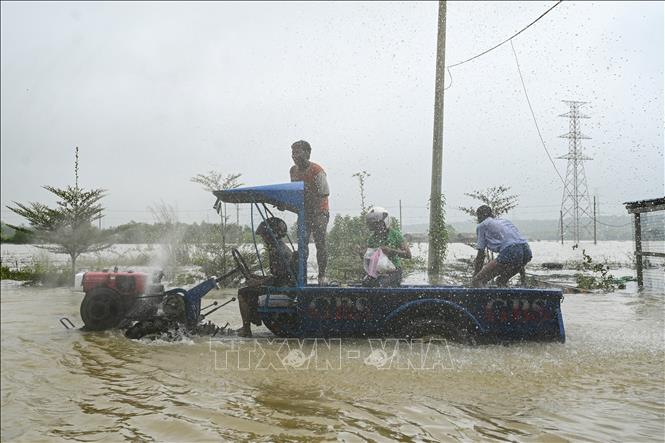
(376, 262)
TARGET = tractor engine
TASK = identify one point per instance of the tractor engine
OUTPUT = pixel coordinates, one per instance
(116, 299)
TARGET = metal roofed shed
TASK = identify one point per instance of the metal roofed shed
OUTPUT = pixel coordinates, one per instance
(649, 232)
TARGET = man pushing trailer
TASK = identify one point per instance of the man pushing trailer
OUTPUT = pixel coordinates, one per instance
(498, 235)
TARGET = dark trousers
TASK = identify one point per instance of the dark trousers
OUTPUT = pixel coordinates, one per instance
(248, 302)
(389, 280)
(316, 225)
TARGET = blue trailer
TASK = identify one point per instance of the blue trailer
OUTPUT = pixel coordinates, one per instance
(455, 312)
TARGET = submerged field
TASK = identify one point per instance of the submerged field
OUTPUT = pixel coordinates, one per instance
(618, 255)
(604, 384)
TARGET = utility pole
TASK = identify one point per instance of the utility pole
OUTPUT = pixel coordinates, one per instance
(435, 209)
(400, 215)
(561, 221)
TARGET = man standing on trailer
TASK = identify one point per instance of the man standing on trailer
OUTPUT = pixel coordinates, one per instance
(317, 211)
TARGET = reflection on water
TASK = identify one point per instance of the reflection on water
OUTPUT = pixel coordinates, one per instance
(605, 383)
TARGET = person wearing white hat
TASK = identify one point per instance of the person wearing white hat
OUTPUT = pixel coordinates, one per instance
(391, 241)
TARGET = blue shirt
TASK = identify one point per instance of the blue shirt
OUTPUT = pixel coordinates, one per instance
(497, 233)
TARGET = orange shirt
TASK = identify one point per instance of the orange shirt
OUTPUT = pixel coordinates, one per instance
(316, 184)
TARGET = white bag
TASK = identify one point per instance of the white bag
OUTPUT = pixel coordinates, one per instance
(377, 263)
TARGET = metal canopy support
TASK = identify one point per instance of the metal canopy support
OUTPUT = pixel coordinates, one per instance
(302, 244)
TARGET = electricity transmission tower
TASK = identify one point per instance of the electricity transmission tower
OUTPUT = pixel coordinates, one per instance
(576, 216)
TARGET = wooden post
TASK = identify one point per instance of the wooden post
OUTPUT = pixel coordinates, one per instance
(435, 211)
(594, 221)
(638, 251)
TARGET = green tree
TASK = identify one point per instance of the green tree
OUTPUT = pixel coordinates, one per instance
(216, 246)
(67, 228)
(495, 197)
(134, 232)
(347, 237)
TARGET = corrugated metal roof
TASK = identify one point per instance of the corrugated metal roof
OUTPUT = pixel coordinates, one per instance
(653, 204)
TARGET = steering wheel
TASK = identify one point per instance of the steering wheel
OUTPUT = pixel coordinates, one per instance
(240, 264)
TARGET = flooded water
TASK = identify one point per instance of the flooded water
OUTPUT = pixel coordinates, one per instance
(606, 383)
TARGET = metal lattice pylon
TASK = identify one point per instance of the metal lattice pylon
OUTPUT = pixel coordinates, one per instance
(576, 215)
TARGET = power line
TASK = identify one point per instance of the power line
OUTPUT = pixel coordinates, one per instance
(614, 226)
(533, 115)
(508, 39)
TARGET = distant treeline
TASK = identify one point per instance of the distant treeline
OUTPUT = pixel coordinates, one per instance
(141, 233)
(607, 228)
(10, 235)
(616, 227)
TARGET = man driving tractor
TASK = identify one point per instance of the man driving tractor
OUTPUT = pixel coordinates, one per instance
(272, 231)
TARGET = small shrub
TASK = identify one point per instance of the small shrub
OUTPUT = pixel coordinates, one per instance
(185, 279)
(20, 275)
(599, 278)
(39, 275)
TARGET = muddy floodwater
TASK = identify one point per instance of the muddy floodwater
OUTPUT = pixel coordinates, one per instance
(606, 383)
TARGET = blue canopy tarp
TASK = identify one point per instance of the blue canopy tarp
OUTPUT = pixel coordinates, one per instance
(287, 195)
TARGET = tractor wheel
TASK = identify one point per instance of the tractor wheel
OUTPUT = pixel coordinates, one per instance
(174, 307)
(282, 324)
(420, 327)
(424, 327)
(102, 309)
(155, 325)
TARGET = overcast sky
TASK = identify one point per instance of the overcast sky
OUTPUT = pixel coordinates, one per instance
(155, 93)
